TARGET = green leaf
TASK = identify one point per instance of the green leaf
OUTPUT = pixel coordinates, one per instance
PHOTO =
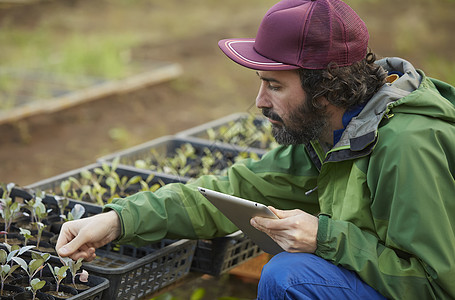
(21, 262)
(111, 182)
(98, 171)
(78, 264)
(65, 186)
(37, 283)
(86, 174)
(5, 269)
(106, 168)
(12, 254)
(3, 256)
(62, 271)
(35, 264)
(78, 211)
(140, 164)
(115, 163)
(45, 256)
(134, 180)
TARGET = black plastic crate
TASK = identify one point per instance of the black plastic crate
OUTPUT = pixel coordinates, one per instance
(137, 272)
(52, 185)
(168, 146)
(219, 255)
(133, 272)
(249, 132)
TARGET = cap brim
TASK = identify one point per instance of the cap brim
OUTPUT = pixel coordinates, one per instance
(242, 52)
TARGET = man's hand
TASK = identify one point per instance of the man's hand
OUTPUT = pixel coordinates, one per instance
(80, 238)
(294, 231)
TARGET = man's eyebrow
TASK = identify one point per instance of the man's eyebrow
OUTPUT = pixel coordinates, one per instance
(267, 78)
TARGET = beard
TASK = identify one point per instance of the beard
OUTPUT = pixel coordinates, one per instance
(303, 125)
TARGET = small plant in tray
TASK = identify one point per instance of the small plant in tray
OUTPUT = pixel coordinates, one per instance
(186, 161)
(6, 269)
(74, 267)
(102, 185)
(245, 132)
(59, 274)
(32, 267)
(9, 209)
(35, 285)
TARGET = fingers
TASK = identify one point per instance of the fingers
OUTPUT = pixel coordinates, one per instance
(282, 214)
(78, 239)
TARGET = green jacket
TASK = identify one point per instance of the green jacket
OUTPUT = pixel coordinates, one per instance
(385, 192)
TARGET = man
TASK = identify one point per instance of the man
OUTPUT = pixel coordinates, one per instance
(364, 183)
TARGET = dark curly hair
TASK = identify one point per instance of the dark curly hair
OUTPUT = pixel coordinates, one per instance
(344, 87)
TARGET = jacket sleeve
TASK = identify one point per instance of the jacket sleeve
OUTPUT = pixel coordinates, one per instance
(280, 179)
(410, 254)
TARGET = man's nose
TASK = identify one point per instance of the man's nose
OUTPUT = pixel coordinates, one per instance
(262, 99)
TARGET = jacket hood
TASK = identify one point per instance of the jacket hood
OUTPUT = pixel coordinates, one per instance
(412, 93)
(425, 95)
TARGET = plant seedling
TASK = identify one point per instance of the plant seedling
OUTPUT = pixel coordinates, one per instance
(43, 256)
(8, 208)
(74, 266)
(5, 269)
(35, 285)
(63, 202)
(32, 268)
(40, 227)
(59, 274)
(26, 234)
(75, 214)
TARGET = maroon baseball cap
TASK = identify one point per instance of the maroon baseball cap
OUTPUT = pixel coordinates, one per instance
(307, 34)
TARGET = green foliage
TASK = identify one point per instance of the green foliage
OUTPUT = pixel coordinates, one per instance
(73, 266)
(26, 234)
(9, 209)
(32, 268)
(59, 274)
(101, 185)
(245, 132)
(62, 202)
(5, 269)
(35, 285)
(76, 213)
(187, 162)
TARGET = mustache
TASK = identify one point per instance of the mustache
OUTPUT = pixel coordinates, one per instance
(267, 112)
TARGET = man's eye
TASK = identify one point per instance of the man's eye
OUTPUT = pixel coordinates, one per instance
(273, 88)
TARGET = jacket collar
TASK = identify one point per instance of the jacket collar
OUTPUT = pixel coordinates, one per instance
(360, 135)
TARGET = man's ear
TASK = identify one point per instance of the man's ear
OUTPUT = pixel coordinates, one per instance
(321, 102)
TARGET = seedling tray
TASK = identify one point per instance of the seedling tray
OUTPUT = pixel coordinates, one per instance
(167, 146)
(137, 272)
(133, 272)
(231, 129)
(52, 185)
(98, 285)
(219, 255)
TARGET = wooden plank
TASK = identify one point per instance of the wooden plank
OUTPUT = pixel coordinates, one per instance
(154, 76)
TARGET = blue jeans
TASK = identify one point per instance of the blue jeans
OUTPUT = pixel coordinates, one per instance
(307, 276)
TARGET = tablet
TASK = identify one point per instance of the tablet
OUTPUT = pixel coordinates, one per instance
(240, 211)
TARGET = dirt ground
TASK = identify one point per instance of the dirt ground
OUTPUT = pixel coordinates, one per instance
(46, 145)
(42, 146)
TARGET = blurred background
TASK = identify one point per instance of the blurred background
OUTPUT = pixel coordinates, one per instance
(49, 49)
(71, 44)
